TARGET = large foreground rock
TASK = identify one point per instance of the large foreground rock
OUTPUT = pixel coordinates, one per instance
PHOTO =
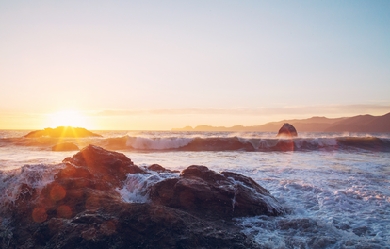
(82, 207)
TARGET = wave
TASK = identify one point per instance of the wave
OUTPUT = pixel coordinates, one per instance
(21, 183)
(212, 143)
(158, 143)
(245, 144)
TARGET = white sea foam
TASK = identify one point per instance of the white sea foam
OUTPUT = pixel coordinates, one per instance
(264, 143)
(12, 183)
(304, 143)
(136, 187)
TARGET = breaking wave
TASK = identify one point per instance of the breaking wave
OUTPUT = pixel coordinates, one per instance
(18, 184)
(245, 144)
(212, 142)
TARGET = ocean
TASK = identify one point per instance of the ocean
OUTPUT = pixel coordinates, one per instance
(335, 186)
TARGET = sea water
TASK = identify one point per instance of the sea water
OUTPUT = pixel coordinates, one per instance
(336, 195)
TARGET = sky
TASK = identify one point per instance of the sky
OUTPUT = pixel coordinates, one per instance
(140, 65)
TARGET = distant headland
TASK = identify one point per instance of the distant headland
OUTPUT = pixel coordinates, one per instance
(62, 131)
(360, 123)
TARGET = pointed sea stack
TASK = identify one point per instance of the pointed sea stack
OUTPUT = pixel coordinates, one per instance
(288, 131)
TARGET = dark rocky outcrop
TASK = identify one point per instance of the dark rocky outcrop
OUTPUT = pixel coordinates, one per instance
(123, 225)
(66, 146)
(108, 165)
(62, 131)
(160, 169)
(211, 195)
(288, 131)
(82, 207)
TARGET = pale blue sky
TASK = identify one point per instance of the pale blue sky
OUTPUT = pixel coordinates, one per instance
(235, 62)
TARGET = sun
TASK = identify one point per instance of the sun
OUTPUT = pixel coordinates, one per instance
(67, 118)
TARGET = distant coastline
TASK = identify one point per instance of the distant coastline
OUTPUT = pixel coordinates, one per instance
(360, 123)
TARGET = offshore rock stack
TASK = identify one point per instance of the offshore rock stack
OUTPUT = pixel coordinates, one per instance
(287, 131)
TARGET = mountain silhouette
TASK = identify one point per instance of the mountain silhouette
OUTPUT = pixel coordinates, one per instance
(360, 123)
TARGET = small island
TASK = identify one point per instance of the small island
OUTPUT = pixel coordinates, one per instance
(62, 131)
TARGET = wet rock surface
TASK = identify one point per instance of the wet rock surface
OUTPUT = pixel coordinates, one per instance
(82, 207)
(211, 195)
(160, 169)
(109, 166)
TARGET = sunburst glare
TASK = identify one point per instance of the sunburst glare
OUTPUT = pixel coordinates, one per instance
(67, 118)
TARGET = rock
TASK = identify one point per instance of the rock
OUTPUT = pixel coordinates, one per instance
(109, 165)
(287, 130)
(160, 169)
(211, 195)
(124, 225)
(62, 131)
(66, 146)
(82, 207)
(360, 231)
